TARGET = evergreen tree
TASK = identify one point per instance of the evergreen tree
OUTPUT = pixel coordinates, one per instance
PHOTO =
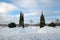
(42, 21)
(21, 20)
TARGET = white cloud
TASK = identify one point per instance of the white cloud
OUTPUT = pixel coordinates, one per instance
(37, 4)
(26, 3)
(32, 14)
(34, 6)
(50, 3)
(6, 7)
(9, 18)
(30, 4)
(45, 1)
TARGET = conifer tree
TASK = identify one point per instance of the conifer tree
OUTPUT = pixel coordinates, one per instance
(42, 21)
(21, 20)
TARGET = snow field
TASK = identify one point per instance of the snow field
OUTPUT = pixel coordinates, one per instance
(30, 33)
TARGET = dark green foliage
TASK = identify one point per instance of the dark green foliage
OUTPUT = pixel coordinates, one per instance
(21, 20)
(52, 24)
(11, 25)
(42, 21)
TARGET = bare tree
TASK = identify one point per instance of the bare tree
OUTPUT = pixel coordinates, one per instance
(31, 21)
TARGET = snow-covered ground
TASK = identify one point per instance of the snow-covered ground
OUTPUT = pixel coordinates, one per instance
(30, 33)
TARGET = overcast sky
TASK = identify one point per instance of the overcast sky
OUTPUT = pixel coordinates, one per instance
(10, 10)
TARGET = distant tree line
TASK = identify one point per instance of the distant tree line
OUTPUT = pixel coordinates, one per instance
(21, 21)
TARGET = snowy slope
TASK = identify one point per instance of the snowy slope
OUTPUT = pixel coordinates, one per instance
(30, 33)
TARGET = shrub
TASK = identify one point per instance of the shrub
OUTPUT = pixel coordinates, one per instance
(52, 24)
(11, 25)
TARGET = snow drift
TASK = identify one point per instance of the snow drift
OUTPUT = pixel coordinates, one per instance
(30, 33)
